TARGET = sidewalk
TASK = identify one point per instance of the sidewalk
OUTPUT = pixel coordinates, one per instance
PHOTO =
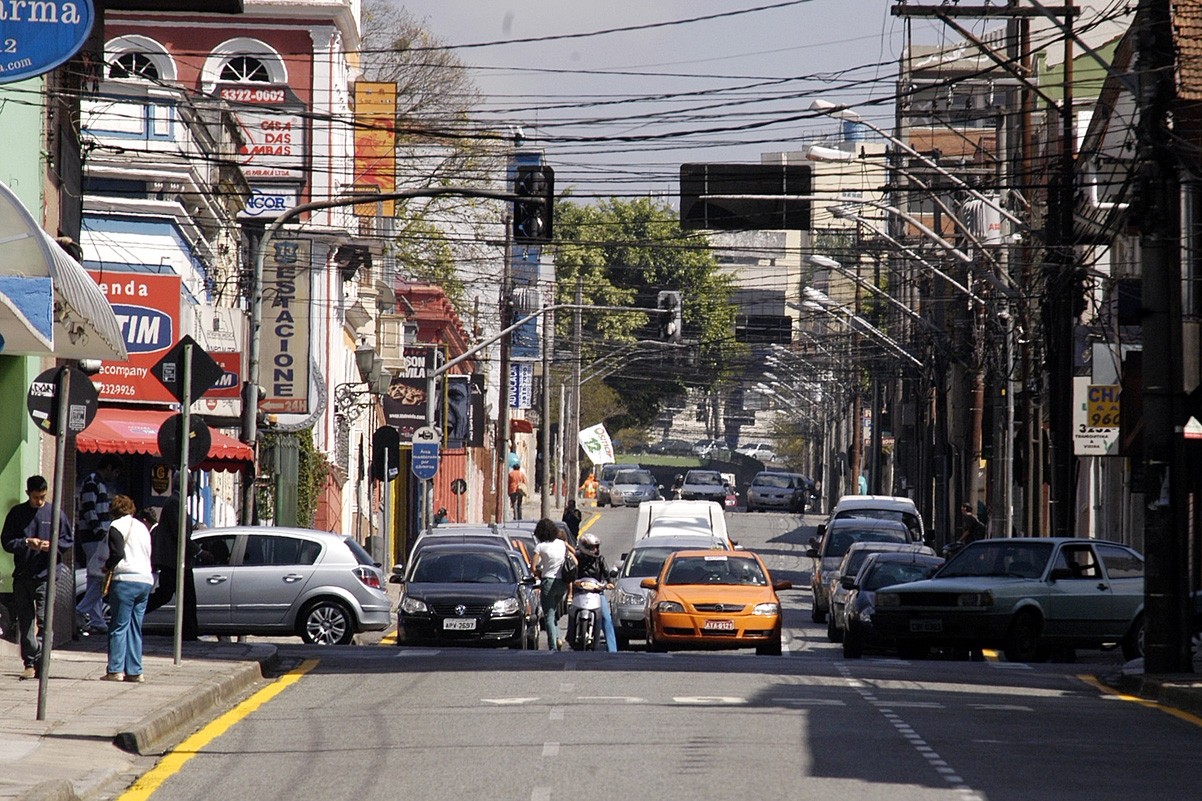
(1182, 692)
(96, 732)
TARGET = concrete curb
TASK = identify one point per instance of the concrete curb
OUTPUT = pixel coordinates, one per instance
(1183, 692)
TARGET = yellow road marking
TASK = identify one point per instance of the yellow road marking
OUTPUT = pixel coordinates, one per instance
(144, 787)
(388, 639)
(989, 654)
(1177, 713)
(596, 516)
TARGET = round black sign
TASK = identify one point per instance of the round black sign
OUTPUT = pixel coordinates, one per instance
(199, 440)
(459, 486)
(82, 401)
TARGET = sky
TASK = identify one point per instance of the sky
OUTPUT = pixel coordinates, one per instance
(617, 113)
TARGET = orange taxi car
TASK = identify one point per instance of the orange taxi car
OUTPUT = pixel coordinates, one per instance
(714, 599)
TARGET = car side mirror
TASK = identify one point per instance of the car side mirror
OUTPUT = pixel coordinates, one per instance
(1060, 573)
(613, 572)
(821, 529)
(647, 584)
(812, 552)
(848, 582)
(396, 578)
(529, 581)
(398, 569)
(782, 584)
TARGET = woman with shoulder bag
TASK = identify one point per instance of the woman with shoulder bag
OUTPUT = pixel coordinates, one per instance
(549, 557)
(130, 581)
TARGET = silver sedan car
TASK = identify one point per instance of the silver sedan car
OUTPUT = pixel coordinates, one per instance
(632, 487)
(320, 586)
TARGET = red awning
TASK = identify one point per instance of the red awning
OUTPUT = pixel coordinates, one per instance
(519, 426)
(137, 431)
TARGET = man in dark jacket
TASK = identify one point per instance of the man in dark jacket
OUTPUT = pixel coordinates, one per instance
(165, 558)
(26, 535)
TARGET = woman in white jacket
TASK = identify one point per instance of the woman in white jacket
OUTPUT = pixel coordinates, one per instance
(133, 579)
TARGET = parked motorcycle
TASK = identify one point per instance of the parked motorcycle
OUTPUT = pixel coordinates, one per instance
(586, 632)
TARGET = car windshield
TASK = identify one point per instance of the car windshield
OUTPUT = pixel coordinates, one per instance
(711, 479)
(646, 561)
(1001, 558)
(633, 477)
(778, 481)
(716, 569)
(911, 520)
(460, 567)
(886, 574)
(840, 539)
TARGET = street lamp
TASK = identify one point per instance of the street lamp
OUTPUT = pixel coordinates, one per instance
(819, 301)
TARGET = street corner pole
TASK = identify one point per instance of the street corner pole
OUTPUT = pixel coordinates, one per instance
(181, 532)
(62, 402)
(545, 472)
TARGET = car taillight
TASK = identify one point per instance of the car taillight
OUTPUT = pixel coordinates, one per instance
(368, 577)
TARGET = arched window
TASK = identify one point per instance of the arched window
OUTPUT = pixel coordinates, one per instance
(245, 69)
(133, 66)
(138, 58)
(243, 60)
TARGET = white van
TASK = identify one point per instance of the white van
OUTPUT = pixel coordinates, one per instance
(879, 507)
(681, 517)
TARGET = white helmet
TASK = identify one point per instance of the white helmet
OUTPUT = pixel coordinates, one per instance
(589, 542)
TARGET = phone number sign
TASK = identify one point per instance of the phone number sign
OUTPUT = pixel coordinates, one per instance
(36, 37)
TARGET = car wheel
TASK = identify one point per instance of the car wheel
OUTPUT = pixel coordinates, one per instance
(654, 645)
(816, 614)
(623, 641)
(851, 646)
(1133, 643)
(1022, 643)
(326, 622)
(833, 632)
(770, 648)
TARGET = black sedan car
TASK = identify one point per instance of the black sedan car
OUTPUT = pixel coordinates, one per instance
(469, 594)
(879, 570)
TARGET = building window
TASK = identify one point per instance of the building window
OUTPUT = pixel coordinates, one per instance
(245, 69)
(134, 66)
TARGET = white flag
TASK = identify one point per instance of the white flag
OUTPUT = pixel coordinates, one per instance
(597, 444)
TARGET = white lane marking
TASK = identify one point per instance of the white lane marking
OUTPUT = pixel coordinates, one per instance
(550, 749)
(1009, 666)
(507, 701)
(566, 687)
(556, 713)
(714, 700)
(907, 705)
(808, 701)
(1002, 707)
(622, 699)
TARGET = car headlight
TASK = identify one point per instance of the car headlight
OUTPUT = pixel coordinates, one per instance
(766, 609)
(631, 599)
(505, 606)
(413, 606)
(669, 606)
(884, 599)
(973, 599)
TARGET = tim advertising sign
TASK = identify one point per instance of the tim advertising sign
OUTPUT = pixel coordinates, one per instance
(284, 354)
(147, 309)
(38, 35)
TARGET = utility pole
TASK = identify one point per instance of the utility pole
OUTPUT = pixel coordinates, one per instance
(1166, 521)
(570, 436)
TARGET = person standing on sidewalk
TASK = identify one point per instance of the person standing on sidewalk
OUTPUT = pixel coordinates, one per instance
(132, 578)
(165, 558)
(92, 529)
(571, 518)
(26, 535)
(517, 490)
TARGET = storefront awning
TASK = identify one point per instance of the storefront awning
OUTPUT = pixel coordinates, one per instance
(520, 426)
(84, 326)
(137, 431)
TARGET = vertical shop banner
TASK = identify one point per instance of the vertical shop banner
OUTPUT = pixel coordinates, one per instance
(462, 408)
(284, 337)
(375, 144)
(521, 385)
(598, 447)
(405, 403)
(147, 308)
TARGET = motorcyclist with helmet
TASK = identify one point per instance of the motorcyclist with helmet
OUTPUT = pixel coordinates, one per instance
(677, 487)
(591, 563)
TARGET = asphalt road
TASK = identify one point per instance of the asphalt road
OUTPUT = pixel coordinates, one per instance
(380, 722)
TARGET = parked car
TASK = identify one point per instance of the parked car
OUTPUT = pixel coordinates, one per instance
(880, 570)
(632, 487)
(468, 595)
(879, 507)
(605, 480)
(1023, 595)
(671, 447)
(849, 566)
(319, 586)
(828, 552)
(804, 493)
(758, 450)
(709, 448)
(710, 599)
(645, 560)
(772, 490)
(703, 485)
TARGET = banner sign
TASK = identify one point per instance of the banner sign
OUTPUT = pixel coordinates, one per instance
(273, 123)
(375, 144)
(462, 409)
(35, 37)
(405, 403)
(284, 343)
(521, 385)
(147, 308)
(597, 444)
(1095, 418)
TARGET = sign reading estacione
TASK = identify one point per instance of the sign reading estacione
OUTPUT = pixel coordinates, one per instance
(38, 35)
(284, 364)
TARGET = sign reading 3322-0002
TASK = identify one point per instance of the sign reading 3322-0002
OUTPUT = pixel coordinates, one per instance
(38, 35)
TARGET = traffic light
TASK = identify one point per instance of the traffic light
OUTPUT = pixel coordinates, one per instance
(532, 217)
(671, 316)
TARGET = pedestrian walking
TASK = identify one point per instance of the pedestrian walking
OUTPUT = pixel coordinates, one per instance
(974, 529)
(92, 525)
(26, 535)
(131, 579)
(549, 557)
(571, 518)
(165, 560)
(517, 490)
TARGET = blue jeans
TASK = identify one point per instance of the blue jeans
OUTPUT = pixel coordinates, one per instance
(607, 624)
(127, 599)
(553, 591)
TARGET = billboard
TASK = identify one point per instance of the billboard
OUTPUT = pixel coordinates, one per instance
(147, 308)
(272, 120)
(405, 403)
(460, 411)
(375, 144)
(284, 336)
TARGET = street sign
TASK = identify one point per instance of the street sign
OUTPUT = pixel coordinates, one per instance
(459, 486)
(199, 440)
(426, 435)
(425, 458)
(169, 370)
(385, 447)
(82, 401)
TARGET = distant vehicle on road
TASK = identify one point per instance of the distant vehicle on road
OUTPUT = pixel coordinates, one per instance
(671, 447)
(879, 507)
(703, 485)
(708, 448)
(880, 570)
(772, 490)
(758, 450)
(849, 566)
(828, 552)
(605, 480)
(632, 487)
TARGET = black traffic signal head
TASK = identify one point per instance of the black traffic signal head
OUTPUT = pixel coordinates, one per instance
(533, 211)
(671, 316)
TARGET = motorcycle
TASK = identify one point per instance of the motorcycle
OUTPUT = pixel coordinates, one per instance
(585, 634)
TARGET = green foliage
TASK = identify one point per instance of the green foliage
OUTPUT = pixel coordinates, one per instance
(312, 471)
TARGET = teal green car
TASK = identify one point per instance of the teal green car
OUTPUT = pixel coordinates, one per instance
(1022, 596)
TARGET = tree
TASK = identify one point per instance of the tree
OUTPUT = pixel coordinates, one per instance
(626, 252)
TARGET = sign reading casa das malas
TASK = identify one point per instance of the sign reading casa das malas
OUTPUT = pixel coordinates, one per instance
(38, 35)
(147, 308)
(284, 359)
